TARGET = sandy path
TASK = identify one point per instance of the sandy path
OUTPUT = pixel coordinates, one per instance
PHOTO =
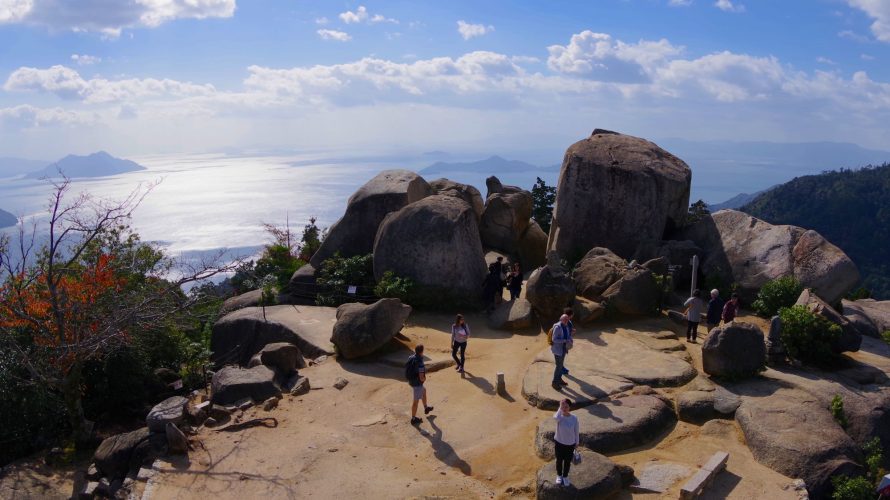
(357, 443)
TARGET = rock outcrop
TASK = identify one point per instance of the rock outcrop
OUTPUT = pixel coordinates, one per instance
(505, 219)
(877, 312)
(282, 357)
(113, 457)
(615, 191)
(532, 247)
(170, 410)
(734, 350)
(850, 339)
(354, 233)
(434, 242)
(550, 290)
(362, 329)
(511, 315)
(596, 477)
(636, 293)
(597, 271)
(231, 384)
(748, 251)
(465, 192)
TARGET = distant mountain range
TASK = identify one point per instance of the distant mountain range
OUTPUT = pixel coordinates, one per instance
(10, 167)
(736, 201)
(7, 219)
(95, 165)
(851, 208)
(492, 165)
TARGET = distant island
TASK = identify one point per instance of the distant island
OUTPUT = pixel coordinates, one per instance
(493, 165)
(7, 219)
(95, 165)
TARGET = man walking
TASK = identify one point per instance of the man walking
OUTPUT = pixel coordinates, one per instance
(562, 342)
(415, 372)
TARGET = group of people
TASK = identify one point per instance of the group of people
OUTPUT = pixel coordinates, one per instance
(500, 276)
(567, 435)
(715, 311)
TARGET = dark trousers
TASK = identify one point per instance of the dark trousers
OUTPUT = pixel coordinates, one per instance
(691, 330)
(459, 346)
(564, 454)
(557, 372)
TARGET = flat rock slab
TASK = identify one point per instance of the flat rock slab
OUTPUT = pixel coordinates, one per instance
(663, 341)
(612, 426)
(169, 410)
(232, 384)
(701, 406)
(585, 387)
(595, 477)
(239, 335)
(792, 433)
(658, 478)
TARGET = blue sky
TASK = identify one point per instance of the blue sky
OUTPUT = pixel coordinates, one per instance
(144, 76)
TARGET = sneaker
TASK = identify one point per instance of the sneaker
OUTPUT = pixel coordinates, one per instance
(565, 481)
(556, 385)
(460, 370)
(558, 479)
(563, 382)
(427, 410)
(415, 420)
(457, 367)
(565, 371)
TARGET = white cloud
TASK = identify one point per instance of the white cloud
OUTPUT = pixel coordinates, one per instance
(599, 56)
(85, 60)
(680, 3)
(26, 116)
(879, 10)
(109, 17)
(852, 35)
(866, 57)
(728, 6)
(468, 30)
(379, 18)
(359, 16)
(321, 21)
(340, 36)
(825, 60)
(67, 83)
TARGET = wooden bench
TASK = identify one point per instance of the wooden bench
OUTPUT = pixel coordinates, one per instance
(697, 483)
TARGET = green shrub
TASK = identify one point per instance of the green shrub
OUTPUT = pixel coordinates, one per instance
(837, 410)
(776, 294)
(852, 488)
(808, 337)
(338, 273)
(278, 261)
(874, 457)
(394, 286)
(886, 336)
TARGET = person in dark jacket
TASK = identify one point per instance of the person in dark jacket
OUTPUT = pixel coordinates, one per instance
(715, 309)
(514, 281)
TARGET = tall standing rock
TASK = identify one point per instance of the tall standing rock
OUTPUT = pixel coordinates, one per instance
(434, 242)
(362, 329)
(505, 219)
(615, 191)
(354, 233)
(550, 289)
(465, 192)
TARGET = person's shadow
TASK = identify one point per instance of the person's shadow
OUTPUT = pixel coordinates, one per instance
(484, 385)
(442, 450)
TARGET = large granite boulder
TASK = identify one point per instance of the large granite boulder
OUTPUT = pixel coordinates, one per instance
(354, 233)
(612, 426)
(434, 242)
(677, 253)
(302, 288)
(857, 317)
(505, 219)
(792, 433)
(876, 312)
(850, 339)
(113, 456)
(231, 384)
(550, 290)
(636, 293)
(362, 329)
(282, 357)
(532, 247)
(586, 311)
(240, 335)
(171, 409)
(511, 315)
(750, 252)
(597, 271)
(465, 192)
(246, 299)
(615, 191)
(734, 350)
(596, 477)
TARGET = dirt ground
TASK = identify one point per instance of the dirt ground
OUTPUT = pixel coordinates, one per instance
(358, 443)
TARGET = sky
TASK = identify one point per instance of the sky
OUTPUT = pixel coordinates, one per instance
(137, 77)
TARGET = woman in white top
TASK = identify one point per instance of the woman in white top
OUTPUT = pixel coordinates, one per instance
(460, 332)
(566, 437)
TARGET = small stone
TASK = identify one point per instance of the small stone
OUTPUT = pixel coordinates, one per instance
(270, 404)
(319, 360)
(333, 450)
(210, 422)
(93, 473)
(340, 383)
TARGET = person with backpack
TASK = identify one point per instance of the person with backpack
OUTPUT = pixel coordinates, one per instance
(566, 439)
(460, 332)
(415, 372)
(694, 306)
(560, 337)
(731, 309)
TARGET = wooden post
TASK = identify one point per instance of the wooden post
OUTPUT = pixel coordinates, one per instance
(501, 384)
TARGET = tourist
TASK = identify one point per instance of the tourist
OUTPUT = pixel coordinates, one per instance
(731, 309)
(502, 279)
(715, 308)
(415, 371)
(694, 306)
(490, 286)
(460, 332)
(571, 314)
(514, 282)
(562, 342)
(566, 439)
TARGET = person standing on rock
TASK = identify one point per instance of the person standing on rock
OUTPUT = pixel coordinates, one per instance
(694, 306)
(562, 342)
(514, 283)
(731, 309)
(571, 314)
(415, 371)
(566, 439)
(715, 309)
(460, 332)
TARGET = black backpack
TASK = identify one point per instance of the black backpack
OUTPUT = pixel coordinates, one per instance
(411, 372)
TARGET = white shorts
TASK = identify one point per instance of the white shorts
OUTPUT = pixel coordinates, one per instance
(418, 391)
